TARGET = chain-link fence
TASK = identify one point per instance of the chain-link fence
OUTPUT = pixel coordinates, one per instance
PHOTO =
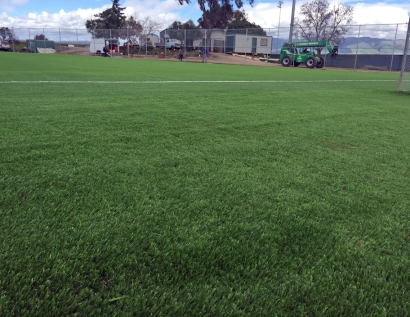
(374, 46)
(404, 81)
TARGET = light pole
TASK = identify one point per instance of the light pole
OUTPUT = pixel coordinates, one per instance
(292, 19)
(277, 39)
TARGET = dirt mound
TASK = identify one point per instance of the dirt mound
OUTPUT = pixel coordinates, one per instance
(83, 51)
(213, 58)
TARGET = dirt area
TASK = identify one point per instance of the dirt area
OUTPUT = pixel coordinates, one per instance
(238, 60)
(215, 58)
(83, 51)
(220, 58)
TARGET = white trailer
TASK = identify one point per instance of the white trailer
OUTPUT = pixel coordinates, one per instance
(5, 46)
(248, 43)
(97, 45)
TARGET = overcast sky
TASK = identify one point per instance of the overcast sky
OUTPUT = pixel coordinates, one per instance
(72, 14)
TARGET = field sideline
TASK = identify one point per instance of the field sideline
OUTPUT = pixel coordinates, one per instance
(151, 188)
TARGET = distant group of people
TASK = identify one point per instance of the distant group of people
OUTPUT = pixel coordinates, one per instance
(106, 52)
(204, 54)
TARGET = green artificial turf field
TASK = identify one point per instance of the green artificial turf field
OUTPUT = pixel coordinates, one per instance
(150, 188)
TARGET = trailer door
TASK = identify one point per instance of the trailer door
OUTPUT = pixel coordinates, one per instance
(254, 43)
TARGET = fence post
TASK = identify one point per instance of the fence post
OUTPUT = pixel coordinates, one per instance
(246, 33)
(324, 61)
(109, 41)
(394, 46)
(277, 39)
(59, 35)
(224, 48)
(405, 54)
(76, 33)
(205, 47)
(357, 47)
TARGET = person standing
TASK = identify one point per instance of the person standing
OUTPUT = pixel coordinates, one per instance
(105, 50)
(181, 54)
(205, 55)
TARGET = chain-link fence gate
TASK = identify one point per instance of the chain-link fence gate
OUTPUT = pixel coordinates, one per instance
(404, 82)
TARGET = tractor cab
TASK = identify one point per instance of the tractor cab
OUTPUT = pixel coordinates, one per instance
(288, 48)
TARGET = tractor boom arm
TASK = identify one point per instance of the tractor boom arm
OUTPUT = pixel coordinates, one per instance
(332, 49)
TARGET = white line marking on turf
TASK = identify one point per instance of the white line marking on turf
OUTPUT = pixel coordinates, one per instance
(188, 81)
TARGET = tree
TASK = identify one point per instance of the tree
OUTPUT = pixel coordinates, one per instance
(185, 32)
(149, 25)
(40, 37)
(7, 34)
(240, 21)
(112, 18)
(216, 13)
(227, 4)
(216, 17)
(321, 21)
(132, 29)
(118, 18)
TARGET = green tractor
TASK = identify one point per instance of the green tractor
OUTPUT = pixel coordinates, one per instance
(296, 53)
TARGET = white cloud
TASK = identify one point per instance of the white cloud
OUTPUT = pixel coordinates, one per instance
(380, 13)
(9, 5)
(71, 20)
(162, 11)
(267, 16)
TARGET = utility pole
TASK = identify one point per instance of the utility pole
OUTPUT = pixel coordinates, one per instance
(292, 19)
(277, 40)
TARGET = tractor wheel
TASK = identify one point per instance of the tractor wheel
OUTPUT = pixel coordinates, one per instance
(321, 63)
(311, 62)
(287, 61)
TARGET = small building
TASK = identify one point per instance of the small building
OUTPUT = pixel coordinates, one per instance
(33, 45)
(149, 40)
(216, 40)
(248, 44)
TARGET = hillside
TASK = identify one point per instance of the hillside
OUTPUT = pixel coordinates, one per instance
(364, 45)
(369, 45)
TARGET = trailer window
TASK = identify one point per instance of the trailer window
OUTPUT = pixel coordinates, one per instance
(264, 42)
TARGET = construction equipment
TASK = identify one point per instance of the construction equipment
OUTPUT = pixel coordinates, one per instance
(296, 53)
